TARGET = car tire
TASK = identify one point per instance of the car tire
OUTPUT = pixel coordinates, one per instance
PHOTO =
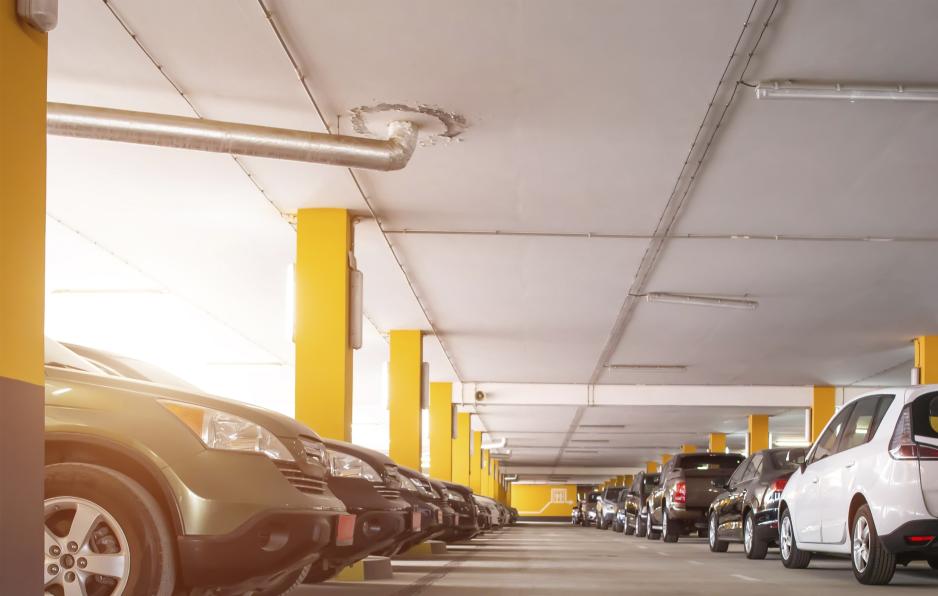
(119, 516)
(792, 556)
(285, 583)
(713, 540)
(628, 529)
(650, 533)
(669, 531)
(872, 563)
(755, 547)
(641, 530)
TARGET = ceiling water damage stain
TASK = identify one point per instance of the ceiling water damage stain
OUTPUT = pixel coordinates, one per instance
(437, 125)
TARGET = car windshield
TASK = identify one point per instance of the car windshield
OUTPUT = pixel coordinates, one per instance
(59, 356)
(650, 481)
(710, 462)
(612, 493)
(786, 459)
(592, 497)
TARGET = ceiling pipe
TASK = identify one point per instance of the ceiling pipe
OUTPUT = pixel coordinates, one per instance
(199, 134)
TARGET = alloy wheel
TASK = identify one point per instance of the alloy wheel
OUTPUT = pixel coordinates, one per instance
(712, 533)
(786, 537)
(88, 553)
(664, 523)
(861, 544)
(747, 534)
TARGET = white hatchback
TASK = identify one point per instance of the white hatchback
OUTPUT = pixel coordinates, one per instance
(868, 487)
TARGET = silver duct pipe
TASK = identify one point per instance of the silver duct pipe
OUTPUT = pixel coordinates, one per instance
(163, 130)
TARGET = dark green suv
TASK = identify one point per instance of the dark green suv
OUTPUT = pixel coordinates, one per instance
(152, 490)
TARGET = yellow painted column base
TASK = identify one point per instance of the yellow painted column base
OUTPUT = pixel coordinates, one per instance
(426, 548)
(368, 569)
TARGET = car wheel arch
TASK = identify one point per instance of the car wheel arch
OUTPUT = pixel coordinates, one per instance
(858, 500)
(71, 448)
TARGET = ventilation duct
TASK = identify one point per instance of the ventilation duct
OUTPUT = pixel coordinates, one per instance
(163, 130)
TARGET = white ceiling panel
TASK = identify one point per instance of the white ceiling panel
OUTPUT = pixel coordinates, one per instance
(829, 313)
(522, 309)
(574, 119)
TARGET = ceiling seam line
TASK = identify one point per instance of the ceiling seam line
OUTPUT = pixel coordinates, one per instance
(885, 239)
(309, 93)
(136, 39)
(678, 199)
(166, 287)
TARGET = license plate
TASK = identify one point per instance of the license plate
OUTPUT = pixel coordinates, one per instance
(439, 516)
(415, 521)
(345, 530)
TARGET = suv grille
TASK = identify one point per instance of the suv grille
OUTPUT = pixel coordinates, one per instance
(300, 480)
(314, 451)
(387, 493)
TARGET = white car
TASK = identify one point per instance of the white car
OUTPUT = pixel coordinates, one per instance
(868, 487)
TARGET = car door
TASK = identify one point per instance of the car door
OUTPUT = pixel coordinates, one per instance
(727, 501)
(840, 470)
(748, 489)
(660, 494)
(632, 506)
(805, 500)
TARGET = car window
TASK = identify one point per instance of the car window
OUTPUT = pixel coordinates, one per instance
(710, 462)
(885, 401)
(860, 425)
(737, 476)
(58, 356)
(650, 481)
(827, 444)
(636, 485)
(754, 469)
(924, 411)
(786, 459)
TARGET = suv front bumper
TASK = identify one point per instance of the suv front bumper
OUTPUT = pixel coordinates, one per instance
(267, 544)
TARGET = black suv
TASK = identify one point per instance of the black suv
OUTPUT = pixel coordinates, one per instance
(635, 513)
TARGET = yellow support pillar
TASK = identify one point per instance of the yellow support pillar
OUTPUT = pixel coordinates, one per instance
(687, 448)
(717, 443)
(404, 379)
(822, 409)
(758, 433)
(620, 480)
(23, 52)
(441, 431)
(323, 394)
(486, 485)
(665, 459)
(651, 467)
(475, 463)
(627, 480)
(926, 358)
(461, 448)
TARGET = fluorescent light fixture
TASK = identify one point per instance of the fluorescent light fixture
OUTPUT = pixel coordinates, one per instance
(589, 440)
(848, 92)
(579, 451)
(602, 426)
(499, 444)
(649, 367)
(693, 300)
(510, 477)
(61, 391)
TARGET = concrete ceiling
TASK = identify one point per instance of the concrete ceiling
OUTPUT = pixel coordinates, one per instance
(578, 123)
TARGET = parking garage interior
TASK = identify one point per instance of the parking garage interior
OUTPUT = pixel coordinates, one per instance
(414, 297)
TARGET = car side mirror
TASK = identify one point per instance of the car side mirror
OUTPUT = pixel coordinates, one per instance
(802, 463)
(719, 483)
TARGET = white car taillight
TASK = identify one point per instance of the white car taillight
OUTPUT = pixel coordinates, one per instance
(903, 445)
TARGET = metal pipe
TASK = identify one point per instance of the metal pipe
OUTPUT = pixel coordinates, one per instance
(200, 134)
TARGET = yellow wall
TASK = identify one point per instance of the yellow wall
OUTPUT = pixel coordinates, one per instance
(534, 500)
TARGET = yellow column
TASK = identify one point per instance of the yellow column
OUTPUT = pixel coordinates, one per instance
(475, 463)
(620, 480)
(665, 459)
(485, 486)
(323, 394)
(822, 409)
(404, 374)
(461, 448)
(627, 480)
(651, 467)
(717, 443)
(22, 280)
(926, 358)
(441, 431)
(758, 433)
(686, 448)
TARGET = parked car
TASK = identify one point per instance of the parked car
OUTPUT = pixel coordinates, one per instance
(633, 510)
(422, 503)
(606, 507)
(460, 499)
(483, 514)
(589, 508)
(747, 511)
(438, 491)
(868, 487)
(494, 513)
(369, 484)
(577, 516)
(512, 516)
(679, 504)
(151, 489)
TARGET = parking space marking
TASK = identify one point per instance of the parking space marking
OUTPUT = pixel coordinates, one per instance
(643, 547)
(745, 577)
(692, 562)
(663, 554)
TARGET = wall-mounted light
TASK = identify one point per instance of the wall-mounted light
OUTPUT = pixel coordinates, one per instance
(694, 300)
(845, 92)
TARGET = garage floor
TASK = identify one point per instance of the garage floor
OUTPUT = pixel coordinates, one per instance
(560, 559)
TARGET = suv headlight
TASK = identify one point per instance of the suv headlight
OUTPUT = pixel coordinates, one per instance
(221, 430)
(349, 466)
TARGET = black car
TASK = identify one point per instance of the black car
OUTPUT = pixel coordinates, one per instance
(369, 484)
(428, 519)
(460, 499)
(632, 509)
(747, 511)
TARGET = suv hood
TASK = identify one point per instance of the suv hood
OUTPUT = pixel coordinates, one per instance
(278, 424)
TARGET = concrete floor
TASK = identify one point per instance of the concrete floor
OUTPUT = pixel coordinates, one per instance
(535, 559)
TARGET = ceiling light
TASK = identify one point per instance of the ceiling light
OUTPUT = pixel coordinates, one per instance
(693, 300)
(602, 426)
(851, 93)
(649, 367)
(578, 451)
(589, 440)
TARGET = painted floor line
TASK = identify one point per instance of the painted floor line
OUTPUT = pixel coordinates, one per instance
(692, 562)
(745, 577)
